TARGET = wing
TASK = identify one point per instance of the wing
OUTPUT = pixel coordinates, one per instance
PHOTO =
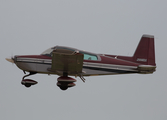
(65, 61)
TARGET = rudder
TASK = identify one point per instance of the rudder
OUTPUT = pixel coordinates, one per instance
(145, 52)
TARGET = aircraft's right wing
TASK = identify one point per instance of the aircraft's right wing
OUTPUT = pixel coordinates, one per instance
(64, 61)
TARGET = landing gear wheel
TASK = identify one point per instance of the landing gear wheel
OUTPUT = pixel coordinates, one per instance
(64, 82)
(27, 85)
(63, 87)
(28, 82)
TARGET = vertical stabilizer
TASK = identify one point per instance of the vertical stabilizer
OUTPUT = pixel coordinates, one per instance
(145, 52)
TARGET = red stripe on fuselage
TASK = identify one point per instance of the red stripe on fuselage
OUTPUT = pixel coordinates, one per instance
(34, 56)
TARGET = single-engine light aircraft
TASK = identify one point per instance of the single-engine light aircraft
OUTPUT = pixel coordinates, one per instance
(67, 61)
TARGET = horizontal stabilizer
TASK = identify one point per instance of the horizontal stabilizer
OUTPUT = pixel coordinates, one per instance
(146, 68)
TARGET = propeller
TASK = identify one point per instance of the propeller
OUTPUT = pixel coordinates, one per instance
(10, 59)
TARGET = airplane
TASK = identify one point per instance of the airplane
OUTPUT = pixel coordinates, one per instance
(66, 61)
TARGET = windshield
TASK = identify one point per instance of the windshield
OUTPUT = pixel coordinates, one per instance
(48, 52)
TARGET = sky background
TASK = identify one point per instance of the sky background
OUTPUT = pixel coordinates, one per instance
(101, 26)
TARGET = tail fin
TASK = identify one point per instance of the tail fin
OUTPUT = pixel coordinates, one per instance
(145, 53)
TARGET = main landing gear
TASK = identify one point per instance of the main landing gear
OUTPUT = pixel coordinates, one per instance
(28, 82)
(64, 82)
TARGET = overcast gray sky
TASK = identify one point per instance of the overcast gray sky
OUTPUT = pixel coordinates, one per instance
(100, 26)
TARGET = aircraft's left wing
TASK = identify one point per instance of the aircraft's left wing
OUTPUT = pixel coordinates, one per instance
(67, 62)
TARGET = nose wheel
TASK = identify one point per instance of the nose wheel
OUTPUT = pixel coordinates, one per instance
(28, 82)
(27, 85)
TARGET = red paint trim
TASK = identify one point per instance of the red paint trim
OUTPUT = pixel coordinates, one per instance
(34, 56)
(144, 54)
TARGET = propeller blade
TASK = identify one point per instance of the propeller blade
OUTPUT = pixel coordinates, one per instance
(10, 60)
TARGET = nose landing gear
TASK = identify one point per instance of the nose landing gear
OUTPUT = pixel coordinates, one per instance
(28, 82)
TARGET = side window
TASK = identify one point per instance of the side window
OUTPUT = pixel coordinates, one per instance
(89, 56)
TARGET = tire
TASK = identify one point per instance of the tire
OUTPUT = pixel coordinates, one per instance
(27, 85)
(63, 87)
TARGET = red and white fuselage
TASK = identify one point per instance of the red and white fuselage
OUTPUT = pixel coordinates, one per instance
(143, 61)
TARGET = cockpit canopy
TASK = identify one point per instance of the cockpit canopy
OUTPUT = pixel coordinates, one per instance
(87, 55)
(49, 51)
